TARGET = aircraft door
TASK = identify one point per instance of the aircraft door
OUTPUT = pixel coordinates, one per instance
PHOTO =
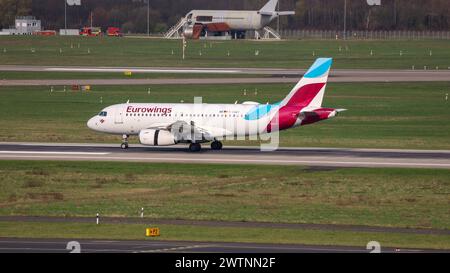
(118, 116)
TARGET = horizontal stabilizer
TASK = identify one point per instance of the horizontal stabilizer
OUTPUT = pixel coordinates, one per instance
(283, 13)
(274, 13)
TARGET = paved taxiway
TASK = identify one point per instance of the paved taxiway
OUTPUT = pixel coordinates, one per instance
(319, 157)
(236, 224)
(271, 75)
(15, 245)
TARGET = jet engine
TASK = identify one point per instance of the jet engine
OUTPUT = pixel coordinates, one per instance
(188, 31)
(156, 137)
(192, 31)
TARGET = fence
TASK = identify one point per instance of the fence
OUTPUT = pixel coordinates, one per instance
(352, 35)
(366, 35)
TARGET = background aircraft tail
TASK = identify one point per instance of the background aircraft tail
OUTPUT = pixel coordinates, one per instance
(269, 6)
(309, 91)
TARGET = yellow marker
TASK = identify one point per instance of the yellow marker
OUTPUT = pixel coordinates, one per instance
(127, 73)
(152, 232)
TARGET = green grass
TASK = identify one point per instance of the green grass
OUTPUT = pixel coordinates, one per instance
(220, 234)
(109, 51)
(380, 115)
(375, 197)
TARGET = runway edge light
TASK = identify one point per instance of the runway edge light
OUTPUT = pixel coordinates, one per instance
(152, 232)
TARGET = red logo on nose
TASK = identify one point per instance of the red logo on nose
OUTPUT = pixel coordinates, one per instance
(102, 120)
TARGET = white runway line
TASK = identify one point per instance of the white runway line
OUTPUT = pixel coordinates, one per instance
(224, 160)
(51, 153)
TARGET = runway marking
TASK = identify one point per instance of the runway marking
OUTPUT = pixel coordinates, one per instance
(63, 250)
(51, 153)
(295, 248)
(270, 161)
(33, 249)
(174, 248)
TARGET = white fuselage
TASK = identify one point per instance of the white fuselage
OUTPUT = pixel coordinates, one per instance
(235, 19)
(220, 120)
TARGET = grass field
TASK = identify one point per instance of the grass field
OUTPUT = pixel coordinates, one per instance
(220, 234)
(108, 51)
(381, 115)
(375, 197)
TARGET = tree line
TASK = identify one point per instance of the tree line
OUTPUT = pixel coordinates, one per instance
(131, 15)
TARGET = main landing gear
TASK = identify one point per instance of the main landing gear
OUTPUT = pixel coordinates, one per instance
(195, 147)
(216, 145)
(124, 144)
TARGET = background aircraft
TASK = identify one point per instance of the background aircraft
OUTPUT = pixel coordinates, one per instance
(233, 21)
(162, 124)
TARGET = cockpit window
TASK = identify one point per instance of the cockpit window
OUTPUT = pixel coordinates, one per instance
(103, 114)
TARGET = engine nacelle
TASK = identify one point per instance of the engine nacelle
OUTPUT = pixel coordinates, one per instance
(188, 31)
(193, 31)
(156, 137)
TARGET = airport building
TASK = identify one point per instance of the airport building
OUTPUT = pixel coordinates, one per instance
(24, 25)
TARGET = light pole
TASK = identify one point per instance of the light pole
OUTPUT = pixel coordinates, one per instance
(278, 18)
(345, 19)
(65, 17)
(148, 17)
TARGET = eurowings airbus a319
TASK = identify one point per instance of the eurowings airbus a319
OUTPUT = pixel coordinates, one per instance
(163, 124)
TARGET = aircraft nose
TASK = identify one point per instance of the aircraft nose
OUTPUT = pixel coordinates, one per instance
(91, 124)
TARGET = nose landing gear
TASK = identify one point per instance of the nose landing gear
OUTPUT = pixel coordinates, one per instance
(124, 144)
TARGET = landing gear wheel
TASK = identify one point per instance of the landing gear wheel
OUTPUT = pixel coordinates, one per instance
(216, 145)
(195, 147)
(124, 144)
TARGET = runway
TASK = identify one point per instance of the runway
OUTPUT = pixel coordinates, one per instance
(28, 245)
(313, 157)
(268, 75)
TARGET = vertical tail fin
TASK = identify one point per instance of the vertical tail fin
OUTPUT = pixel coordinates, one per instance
(310, 89)
(269, 6)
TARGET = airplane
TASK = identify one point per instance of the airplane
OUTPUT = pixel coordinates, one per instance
(164, 124)
(237, 21)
